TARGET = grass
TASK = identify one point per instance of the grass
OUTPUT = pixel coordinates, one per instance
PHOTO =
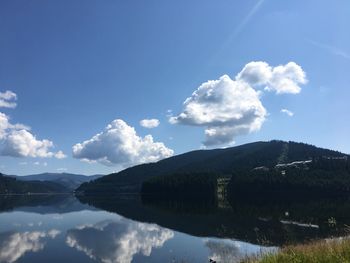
(325, 251)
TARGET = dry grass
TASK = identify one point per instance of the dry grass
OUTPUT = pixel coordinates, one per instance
(325, 251)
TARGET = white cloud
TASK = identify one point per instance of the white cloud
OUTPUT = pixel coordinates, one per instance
(119, 144)
(7, 99)
(149, 123)
(117, 241)
(60, 155)
(288, 112)
(228, 108)
(17, 141)
(281, 79)
(6, 126)
(22, 143)
(53, 233)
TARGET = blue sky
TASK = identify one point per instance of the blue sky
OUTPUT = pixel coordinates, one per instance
(77, 66)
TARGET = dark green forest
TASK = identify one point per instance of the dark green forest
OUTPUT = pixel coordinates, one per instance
(323, 176)
(185, 184)
(9, 185)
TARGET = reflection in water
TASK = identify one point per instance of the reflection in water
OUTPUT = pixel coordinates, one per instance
(223, 252)
(14, 245)
(117, 241)
(271, 223)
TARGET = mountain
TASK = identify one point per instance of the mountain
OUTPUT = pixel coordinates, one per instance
(10, 185)
(69, 181)
(219, 161)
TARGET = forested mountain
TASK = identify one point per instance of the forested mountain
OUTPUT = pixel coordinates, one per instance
(10, 185)
(68, 180)
(225, 162)
(320, 176)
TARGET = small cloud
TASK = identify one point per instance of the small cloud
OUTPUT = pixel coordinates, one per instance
(39, 163)
(7, 99)
(288, 112)
(169, 113)
(283, 79)
(149, 123)
(60, 155)
(22, 163)
(61, 169)
(53, 233)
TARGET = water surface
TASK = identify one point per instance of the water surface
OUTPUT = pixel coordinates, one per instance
(59, 228)
(128, 228)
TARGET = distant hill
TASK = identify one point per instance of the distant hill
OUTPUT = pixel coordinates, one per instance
(10, 185)
(69, 181)
(219, 161)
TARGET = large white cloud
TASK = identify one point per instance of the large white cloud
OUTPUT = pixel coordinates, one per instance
(149, 123)
(280, 79)
(119, 144)
(7, 99)
(16, 140)
(228, 108)
(21, 143)
(6, 126)
(117, 241)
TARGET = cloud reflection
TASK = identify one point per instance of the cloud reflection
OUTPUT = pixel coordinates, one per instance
(14, 245)
(224, 252)
(117, 241)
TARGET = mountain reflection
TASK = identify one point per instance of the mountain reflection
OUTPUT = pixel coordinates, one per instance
(273, 223)
(117, 241)
(14, 245)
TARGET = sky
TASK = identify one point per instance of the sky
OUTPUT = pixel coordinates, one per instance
(93, 87)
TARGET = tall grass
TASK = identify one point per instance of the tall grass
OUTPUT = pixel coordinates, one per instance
(325, 251)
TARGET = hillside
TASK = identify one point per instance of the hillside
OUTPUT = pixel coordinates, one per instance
(10, 185)
(220, 161)
(68, 180)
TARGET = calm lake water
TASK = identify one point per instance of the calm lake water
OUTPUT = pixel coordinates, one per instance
(61, 228)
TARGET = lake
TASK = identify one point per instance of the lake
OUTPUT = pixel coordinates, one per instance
(63, 228)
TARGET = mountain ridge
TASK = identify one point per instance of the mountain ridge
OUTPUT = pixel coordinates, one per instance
(224, 161)
(69, 180)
